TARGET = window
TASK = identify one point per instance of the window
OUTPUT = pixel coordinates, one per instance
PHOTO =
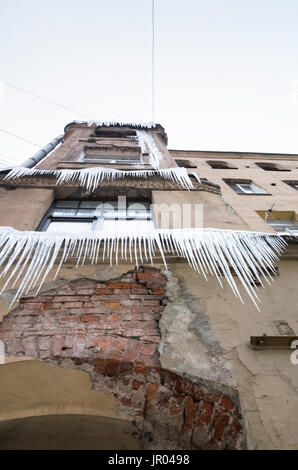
(244, 187)
(84, 216)
(186, 163)
(284, 226)
(267, 166)
(111, 155)
(114, 133)
(221, 165)
(293, 184)
(105, 161)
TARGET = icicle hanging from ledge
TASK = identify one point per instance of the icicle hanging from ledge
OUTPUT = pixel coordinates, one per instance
(90, 178)
(147, 143)
(249, 255)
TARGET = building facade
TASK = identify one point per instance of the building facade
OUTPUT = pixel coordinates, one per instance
(150, 333)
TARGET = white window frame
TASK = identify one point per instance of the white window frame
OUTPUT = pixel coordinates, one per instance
(255, 189)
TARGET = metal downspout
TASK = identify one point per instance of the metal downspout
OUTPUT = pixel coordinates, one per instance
(32, 161)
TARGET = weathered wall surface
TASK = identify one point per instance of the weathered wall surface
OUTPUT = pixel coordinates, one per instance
(23, 209)
(266, 379)
(215, 212)
(204, 333)
(283, 196)
(112, 330)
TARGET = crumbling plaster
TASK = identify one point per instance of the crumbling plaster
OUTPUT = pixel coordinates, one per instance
(205, 334)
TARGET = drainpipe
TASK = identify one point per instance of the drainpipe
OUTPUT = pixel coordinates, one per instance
(32, 161)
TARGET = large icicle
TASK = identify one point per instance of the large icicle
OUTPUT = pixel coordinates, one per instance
(147, 144)
(209, 251)
(90, 178)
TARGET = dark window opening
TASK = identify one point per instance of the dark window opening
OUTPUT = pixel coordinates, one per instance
(293, 184)
(110, 132)
(271, 166)
(221, 165)
(186, 164)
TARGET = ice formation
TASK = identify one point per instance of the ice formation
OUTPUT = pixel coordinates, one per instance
(140, 125)
(147, 143)
(30, 256)
(90, 178)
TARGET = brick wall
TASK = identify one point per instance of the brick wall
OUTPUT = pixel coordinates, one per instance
(113, 327)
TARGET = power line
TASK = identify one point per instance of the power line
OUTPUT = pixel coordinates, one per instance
(153, 61)
(48, 100)
(8, 160)
(20, 138)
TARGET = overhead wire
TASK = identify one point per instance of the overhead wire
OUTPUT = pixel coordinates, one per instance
(60, 105)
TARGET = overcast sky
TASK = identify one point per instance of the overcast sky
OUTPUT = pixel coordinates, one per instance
(226, 70)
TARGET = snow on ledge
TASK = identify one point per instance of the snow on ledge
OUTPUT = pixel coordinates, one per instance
(90, 178)
(250, 255)
(140, 125)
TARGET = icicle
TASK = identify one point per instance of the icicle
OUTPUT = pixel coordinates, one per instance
(208, 251)
(147, 143)
(144, 125)
(90, 178)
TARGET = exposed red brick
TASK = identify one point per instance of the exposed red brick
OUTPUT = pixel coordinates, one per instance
(73, 304)
(120, 343)
(151, 392)
(120, 285)
(140, 368)
(104, 343)
(88, 318)
(112, 305)
(189, 411)
(115, 329)
(104, 291)
(149, 349)
(70, 318)
(226, 403)
(33, 306)
(76, 298)
(183, 385)
(176, 404)
(112, 367)
(38, 299)
(136, 384)
(30, 346)
(85, 291)
(158, 291)
(219, 425)
(205, 416)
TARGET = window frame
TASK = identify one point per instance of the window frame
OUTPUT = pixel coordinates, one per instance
(48, 218)
(237, 186)
(292, 184)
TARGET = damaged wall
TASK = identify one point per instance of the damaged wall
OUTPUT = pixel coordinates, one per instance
(111, 330)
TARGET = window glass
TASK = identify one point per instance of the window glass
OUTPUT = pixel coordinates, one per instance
(138, 210)
(127, 225)
(64, 212)
(246, 188)
(99, 215)
(86, 212)
(284, 225)
(69, 226)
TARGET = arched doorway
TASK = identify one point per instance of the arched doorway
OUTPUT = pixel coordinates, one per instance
(66, 432)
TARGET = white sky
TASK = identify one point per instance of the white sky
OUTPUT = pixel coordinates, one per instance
(226, 70)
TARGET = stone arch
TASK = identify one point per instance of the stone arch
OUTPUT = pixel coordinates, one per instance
(110, 329)
(43, 406)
